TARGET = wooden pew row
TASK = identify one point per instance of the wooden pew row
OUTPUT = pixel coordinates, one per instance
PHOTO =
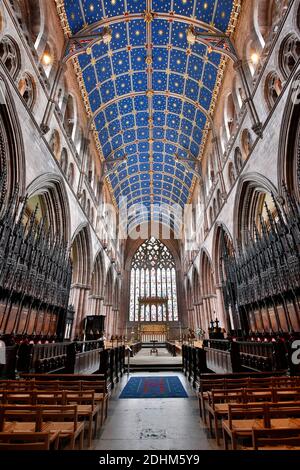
(219, 401)
(86, 408)
(12, 441)
(243, 419)
(101, 395)
(226, 382)
(275, 439)
(60, 422)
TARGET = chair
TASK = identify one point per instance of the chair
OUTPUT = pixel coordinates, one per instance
(24, 441)
(242, 418)
(20, 418)
(16, 396)
(218, 405)
(86, 408)
(101, 395)
(63, 419)
(52, 397)
(276, 439)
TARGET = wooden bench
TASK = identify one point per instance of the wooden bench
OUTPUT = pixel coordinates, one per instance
(25, 441)
(275, 439)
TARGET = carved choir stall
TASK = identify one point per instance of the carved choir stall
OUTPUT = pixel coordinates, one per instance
(261, 287)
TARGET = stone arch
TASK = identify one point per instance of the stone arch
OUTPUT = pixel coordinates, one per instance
(10, 56)
(48, 190)
(27, 89)
(246, 143)
(54, 143)
(81, 263)
(289, 148)
(253, 191)
(221, 235)
(32, 14)
(230, 115)
(108, 300)
(273, 89)
(97, 285)
(289, 54)
(70, 117)
(11, 142)
(208, 291)
(196, 298)
(189, 305)
(267, 14)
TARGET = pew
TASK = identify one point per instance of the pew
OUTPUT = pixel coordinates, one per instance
(24, 441)
(275, 439)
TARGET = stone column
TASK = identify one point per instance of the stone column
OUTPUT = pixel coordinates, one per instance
(79, 298)
(220, 309)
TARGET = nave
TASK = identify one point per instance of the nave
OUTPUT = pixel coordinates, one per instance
(154, 424)
(149, 224)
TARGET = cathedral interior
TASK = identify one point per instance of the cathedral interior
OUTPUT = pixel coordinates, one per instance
(150, 224)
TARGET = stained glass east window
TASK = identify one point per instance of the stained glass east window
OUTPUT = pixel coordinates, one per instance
(153, 292)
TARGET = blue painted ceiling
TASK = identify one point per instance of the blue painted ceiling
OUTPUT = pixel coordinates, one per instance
(144, 89)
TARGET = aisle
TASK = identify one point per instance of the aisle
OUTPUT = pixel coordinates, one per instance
(154, 424)
(163, 357)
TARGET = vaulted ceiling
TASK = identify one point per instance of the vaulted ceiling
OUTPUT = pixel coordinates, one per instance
(148, 90)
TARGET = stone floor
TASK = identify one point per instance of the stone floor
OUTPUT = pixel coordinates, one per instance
(154, 424)
(163, 357)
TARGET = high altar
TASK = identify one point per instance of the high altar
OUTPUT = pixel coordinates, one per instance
(157, 332)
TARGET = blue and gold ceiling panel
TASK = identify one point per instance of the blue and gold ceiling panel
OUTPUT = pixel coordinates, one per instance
(149, 92)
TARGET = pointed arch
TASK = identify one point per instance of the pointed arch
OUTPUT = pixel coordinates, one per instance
(11, 141)
(81, 263)
(49, 191)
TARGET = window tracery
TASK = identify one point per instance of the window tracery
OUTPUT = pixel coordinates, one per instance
(153, 291)
(290, 54)
(10, 56)
(27, 90)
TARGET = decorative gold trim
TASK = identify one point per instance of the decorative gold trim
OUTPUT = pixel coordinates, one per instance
(67, 31)
(215, 94)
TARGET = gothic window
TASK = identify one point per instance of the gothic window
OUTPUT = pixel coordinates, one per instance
(238, 160)
(219, 199)
(231, 174)
(64, 160)
(55, 143)
(83, 200)
(153, 292)
(247, 142)
(71, 174)
(215, 208)
(289, 55)
(273, 89)
(211, 216)
(27, 90)
(10, 56)
(69, 120)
